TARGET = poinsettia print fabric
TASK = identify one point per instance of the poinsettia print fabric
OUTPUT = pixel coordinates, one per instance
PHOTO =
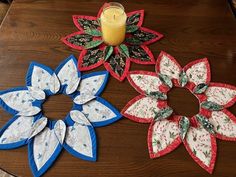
(47, 138)
(168, 130)
(116, 59)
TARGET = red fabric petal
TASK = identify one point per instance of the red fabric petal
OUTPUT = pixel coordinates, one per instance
(148, 51)
(177, 68)
(227, 124)
(141, 12)
(159, 35)
(76, 17)
(115, 75)
(174, 143)
(65, 40)
(193, 82)
(86, 68)
(226, 100)
(209, 168)
(131, 114)
(147, 83)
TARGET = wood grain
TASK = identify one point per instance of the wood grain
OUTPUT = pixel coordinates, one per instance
(192, 29)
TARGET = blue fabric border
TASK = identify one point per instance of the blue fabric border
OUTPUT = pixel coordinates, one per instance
(92, 132)
(30, 71)
(49, 162)
(37, 103)
(109, 121)
(57, 70)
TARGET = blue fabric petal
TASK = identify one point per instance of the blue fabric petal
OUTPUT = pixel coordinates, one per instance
(42, 77)
(100, 113)
(68, 75)
(20, 101)
(93, 83)
(76, 130)
(16, 132)
(39, 170)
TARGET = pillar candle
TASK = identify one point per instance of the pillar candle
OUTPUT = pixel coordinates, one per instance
(113, 23)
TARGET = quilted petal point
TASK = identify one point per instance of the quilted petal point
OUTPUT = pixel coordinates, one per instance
(19, 101)
(42, 155)
(144, 82)
(60, 130)
(141, 109)
(80, 141)
(68, 75)
(79, 117)
(201, 146)
(221, 94)
(163, 137)
(36, 93)
(16, 132)
(224, 124)
(100, 112)
(167, 65)
(198, 71)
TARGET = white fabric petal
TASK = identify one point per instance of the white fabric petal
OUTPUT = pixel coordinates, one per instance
(20, 101)
(54, 85)
(145, 81)
(220, 95)
(68, 75)
(29, 111)
(92, 83)
(164, 133)
(143, 108)
(79, 117)
(224, 123)
(43, 80)
(44, 145)
(198, 72)
(78, 137)
(37, 93)
(96, 112)
(38, 126)
(60, 130)
(199, 142)
(18, 130)
(169, 66)
(83, 98)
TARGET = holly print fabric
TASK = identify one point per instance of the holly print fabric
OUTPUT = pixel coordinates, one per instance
(168, 130)
(116, 59)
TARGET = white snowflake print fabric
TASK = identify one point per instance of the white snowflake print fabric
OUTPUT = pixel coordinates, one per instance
(46, 138)
(168, 130)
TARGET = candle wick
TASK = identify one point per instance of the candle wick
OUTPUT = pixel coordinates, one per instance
(114, 17)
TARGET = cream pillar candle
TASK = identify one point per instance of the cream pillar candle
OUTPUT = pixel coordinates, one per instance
(113, 23)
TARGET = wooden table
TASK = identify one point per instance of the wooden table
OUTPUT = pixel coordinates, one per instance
(192, 29)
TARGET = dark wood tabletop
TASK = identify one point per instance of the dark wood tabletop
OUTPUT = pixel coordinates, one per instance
(193, 29)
